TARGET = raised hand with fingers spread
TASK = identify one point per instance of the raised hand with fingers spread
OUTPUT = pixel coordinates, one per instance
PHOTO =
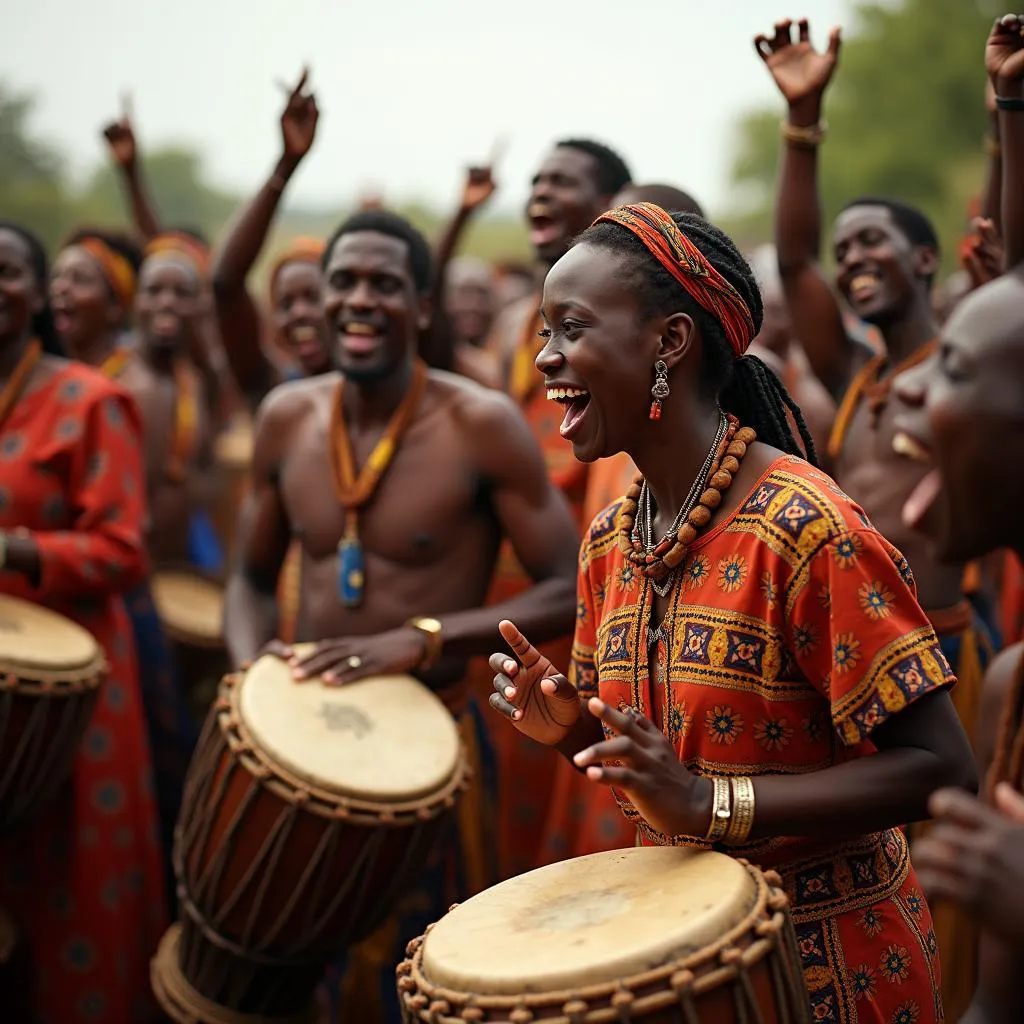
(539, 701)
(801, 72)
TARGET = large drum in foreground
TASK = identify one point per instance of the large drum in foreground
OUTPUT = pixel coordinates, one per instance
(651, 934)
(308, 810)
(50, 673)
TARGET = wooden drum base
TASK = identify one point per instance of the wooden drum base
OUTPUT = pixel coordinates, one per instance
(182, 1001)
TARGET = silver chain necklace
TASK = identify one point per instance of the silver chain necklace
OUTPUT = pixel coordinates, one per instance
(643, 525)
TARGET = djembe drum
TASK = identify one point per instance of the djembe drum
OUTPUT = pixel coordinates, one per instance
(50, 674)
(191, 608)
(650, 934)
(307, 812)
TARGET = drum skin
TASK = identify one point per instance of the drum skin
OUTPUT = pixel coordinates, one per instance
(737, 968)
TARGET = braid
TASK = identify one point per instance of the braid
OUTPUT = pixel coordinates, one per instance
(1008, 758)
(745, 387)
(755, 396)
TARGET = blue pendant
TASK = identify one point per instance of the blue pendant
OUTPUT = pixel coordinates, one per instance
(350, 571)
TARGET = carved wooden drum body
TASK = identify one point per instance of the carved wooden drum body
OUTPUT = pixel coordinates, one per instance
(51, 670)
(307, 811)
(651, 934)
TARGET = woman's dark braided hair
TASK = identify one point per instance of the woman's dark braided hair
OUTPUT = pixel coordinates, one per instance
(42, 321)
(745, 387)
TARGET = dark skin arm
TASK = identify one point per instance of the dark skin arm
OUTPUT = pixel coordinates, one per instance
(264, 533)
(1004, 61)
(992, 196)
(120, 136)
(533, 515)
(802, 76)
(238, 319)
(478, 188)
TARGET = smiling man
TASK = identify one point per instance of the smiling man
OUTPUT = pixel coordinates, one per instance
(398, 483)
(886, 256)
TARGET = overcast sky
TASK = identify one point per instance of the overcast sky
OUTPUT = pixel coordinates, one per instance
(409, 92)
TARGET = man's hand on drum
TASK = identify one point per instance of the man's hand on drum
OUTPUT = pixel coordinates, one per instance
(974, 857)
(539, 701)
(641, 762)
(338, 662)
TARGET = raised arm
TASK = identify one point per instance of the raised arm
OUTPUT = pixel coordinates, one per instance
(1004, 61)
(238, 319)
(478, 188)
(250, 607)
(802, 75)
(102, 551)
(120, 136)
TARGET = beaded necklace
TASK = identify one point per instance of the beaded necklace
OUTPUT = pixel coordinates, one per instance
(355, 491)
(659, 562)
(114, 365)
(18, 378)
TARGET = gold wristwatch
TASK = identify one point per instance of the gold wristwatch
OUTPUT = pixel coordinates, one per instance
(431, 629)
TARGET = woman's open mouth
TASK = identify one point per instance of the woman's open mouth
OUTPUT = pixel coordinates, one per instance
(576, 402)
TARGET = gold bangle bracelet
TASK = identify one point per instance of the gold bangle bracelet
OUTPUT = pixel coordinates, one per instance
(808, 138)
(742, 822)
(721, 811)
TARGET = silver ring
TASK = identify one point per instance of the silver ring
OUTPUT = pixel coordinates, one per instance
(354, 662)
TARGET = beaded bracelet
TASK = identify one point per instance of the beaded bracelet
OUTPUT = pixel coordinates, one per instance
(808, 138)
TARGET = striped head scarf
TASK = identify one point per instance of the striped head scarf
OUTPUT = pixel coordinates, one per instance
(181, 244)
(664, 240)
(117, 271)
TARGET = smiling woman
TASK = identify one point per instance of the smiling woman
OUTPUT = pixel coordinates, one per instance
(744, 636)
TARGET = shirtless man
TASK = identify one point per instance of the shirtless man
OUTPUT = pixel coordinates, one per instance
(886, 255)
(963, 409)
(465, 473)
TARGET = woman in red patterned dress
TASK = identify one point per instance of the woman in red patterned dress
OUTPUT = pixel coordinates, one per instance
(84, 879)
(761, 653)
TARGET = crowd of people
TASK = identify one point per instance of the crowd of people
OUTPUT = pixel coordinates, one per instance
(736, 522)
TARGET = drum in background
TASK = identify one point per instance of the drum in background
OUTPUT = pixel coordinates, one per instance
(650, 934)
(191, 608)
(50, 673)
(232, 453)
(308, 811)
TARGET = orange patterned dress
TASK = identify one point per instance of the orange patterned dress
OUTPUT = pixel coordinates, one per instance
(792, 633)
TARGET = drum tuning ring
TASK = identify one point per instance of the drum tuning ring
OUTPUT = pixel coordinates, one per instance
(411, 949)
(575, 1010)
(623, 998)
(774, 879)
(521, 1015)
(406, 984)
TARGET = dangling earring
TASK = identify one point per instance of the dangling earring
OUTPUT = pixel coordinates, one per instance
(659, 392)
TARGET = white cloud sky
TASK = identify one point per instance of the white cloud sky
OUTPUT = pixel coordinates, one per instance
(409, 91)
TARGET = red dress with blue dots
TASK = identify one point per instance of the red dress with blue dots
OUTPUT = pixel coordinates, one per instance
(84, 881)
(792, 632)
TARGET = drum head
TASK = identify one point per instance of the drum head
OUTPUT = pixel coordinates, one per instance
(33, 638)
(386, 738)
(190, 605)
(588, 921)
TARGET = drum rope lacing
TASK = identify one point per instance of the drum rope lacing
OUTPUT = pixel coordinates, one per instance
(617, 1001)
(226, 744)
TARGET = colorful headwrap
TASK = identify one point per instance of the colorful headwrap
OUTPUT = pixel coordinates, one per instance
(182, 245)
(303, 249)
(117, 271)
(690, 267)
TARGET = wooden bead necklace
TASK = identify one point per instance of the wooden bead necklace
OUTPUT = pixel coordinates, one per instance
(659, 562)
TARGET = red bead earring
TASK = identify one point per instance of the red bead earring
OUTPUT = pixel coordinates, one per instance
(659, 392)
